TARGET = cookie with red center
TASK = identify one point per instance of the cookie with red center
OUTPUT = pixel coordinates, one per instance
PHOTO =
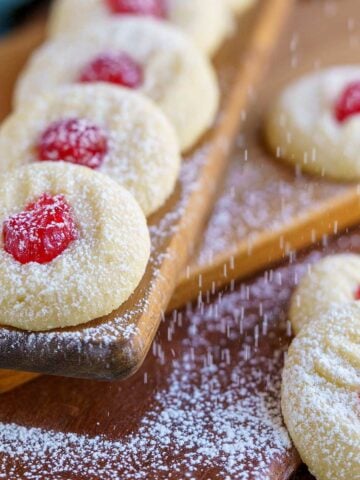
(144, 55)
(206, 22)
(109, 129)
(332, 280)
(314, 123)
(321, 392)
(74, 246)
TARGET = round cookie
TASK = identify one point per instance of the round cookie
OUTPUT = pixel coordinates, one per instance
(207, 22)
(320, 394)
(140, 152)
(315, 123)
(165, 64)
(239, 6)
(74, 246)
(334, 279)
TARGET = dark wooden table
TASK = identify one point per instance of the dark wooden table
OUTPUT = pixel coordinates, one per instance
(205, 404)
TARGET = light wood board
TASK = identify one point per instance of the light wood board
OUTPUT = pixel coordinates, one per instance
(265, 212)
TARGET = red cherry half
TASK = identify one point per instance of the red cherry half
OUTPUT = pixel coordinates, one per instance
(357, 293)
(117, 68)
(74, 140)
(41, 232)
(153, 8)
(348, 103)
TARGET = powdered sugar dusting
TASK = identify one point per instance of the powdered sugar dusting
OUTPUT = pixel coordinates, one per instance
(181, 418)
(216, 414)
(320, 289)
(211, 409)
(277, 197)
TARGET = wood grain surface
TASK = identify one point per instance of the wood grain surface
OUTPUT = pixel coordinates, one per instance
(265, 211)
(168, 396)
(115, 346)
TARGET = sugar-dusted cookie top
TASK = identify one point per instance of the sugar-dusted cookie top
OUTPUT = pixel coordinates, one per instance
(315, 123)
(110, 129)
(74, 246)
(321, 394)
(207, 22)
(146, 55)
(333, 280)
(240, 6)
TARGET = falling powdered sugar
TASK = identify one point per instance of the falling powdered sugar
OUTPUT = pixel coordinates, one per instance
(218, 414)
(181, 419)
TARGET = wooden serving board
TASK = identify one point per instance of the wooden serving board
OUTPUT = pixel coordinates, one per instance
(115, 346)
(265, 212)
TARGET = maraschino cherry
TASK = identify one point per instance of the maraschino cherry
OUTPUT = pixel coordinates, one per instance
(117, 68)
(357, 293)
(348, 103)
(153, 8)
(41, 232)
(74, 140)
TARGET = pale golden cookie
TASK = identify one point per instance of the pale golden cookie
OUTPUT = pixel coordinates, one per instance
(239, 6)
(207, 22)
(321, 394)
(142, 152)
(95, 273)
(306, 127)
(175, 74)
(334, 279)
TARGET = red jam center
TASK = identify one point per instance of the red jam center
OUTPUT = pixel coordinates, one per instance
(73, 140)
(153, 8)
(41, 232)
(357, 293)
(348, 103)
(117, 68)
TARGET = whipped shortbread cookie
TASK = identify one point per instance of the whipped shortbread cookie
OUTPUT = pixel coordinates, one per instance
(315, 123)
(113, 130)
(207, 22)
(146, 55)
(321, 393)
(74, 246)
(334, 279)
